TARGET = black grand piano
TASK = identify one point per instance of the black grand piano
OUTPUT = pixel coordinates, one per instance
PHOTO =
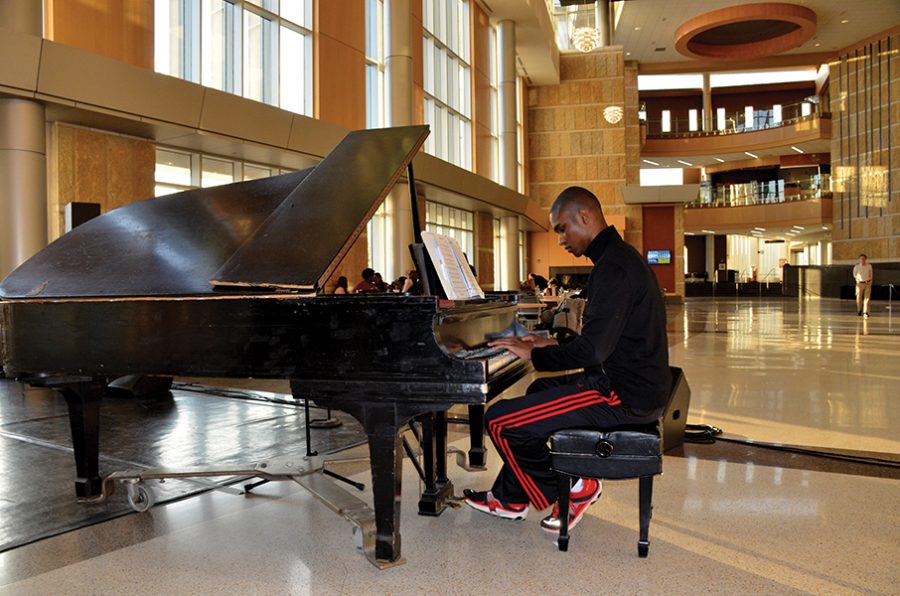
(222, 282)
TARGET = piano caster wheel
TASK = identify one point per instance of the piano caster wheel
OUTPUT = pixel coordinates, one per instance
(140, 497)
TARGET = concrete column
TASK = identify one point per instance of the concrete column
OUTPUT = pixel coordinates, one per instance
(710, 257)
(603, 22)
(708, 118)
(398, 71)
(510, 233)
(509, 137)
(23, 166)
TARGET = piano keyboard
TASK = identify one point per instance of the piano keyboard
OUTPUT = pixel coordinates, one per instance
(497, 357)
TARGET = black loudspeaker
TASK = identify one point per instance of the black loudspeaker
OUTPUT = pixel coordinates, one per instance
(675, 418)
(78, 213)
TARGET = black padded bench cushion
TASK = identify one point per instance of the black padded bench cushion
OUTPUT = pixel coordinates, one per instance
(614, 454)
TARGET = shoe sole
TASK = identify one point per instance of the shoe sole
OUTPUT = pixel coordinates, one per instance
(577, 519)
(497, 513)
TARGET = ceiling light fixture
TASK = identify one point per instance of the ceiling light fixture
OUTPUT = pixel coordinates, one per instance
(797, 149)
(760, 229)
(687, 163)
(719, 160)
(652, 163)
(586, 39)
(637, 28)
(844, 21)
(613, 114)
(751, 155)
(797, 228)
(707, 231)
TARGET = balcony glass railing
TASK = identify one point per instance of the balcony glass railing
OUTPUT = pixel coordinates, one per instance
(733, 122)
(762, 192)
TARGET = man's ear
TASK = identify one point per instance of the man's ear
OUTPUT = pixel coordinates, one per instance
(585, 216)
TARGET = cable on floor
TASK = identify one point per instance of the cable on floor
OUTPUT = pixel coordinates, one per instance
(709, 434)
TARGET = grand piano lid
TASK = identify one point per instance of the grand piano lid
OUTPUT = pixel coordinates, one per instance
(174, 245)
(306, 237)
(165, 246)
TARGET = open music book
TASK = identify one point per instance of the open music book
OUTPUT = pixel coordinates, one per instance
(453, 269)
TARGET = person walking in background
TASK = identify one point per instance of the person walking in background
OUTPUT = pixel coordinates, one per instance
(862, 275)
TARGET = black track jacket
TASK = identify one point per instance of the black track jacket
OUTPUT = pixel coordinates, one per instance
(623, 342)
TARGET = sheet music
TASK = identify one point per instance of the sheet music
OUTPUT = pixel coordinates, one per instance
(453, 269)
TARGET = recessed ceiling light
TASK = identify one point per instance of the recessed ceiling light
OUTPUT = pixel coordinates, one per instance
(844, 21)
(760, 229)
(719, 160)
(815, 45)
(687, 163)
(652, 163)
(797, 228)
(707, 231)
(637, 28)
(751, 155)
(797, 149)
(628, 53)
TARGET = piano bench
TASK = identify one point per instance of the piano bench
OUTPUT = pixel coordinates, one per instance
(621, 453)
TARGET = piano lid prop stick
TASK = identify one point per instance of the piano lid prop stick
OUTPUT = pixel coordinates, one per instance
(417, 225)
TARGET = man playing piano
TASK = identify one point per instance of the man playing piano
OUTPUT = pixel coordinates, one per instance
(624, 356)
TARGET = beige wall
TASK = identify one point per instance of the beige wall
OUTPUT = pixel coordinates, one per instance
(861, 222)
(118, 29)
(90, 166)
(484, 249)
(570, 143)
(339, 38)
(482, 158)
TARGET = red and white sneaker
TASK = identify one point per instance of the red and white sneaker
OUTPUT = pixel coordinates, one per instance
(578, 505)
(486, 502)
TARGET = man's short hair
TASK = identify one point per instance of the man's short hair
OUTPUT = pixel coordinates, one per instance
(576, 198)
(862, 254)
(367, 273)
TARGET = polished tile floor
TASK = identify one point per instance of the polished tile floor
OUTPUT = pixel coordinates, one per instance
(792, 372)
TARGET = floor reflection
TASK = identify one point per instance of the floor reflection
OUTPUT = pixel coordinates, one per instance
(791, 371)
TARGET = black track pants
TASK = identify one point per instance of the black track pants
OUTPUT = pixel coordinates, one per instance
(520, 428)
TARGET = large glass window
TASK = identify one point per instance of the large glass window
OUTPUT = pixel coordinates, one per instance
(498, 255)
(455, 223)
(448, 86)
(523, 266)
(178, 170)
(495, 108)
(379, 231)
(374, 63)
(260, 49)
(520, 133)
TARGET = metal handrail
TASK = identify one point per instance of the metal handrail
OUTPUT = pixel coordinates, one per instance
(736, 122)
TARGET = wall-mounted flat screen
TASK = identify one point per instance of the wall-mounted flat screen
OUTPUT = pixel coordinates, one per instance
(659, 257)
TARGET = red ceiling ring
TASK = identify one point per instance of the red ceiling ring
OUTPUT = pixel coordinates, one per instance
(746, 31)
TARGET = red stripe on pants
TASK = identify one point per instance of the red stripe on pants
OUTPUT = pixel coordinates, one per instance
(556, 407)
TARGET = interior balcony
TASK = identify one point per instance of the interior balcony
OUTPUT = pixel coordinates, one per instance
(737, 135)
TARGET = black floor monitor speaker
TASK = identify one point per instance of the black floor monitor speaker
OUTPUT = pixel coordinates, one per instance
(676, 414)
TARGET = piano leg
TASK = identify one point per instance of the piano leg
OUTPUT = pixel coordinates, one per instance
(438, 487)
(386, 460)
(83, 400)
(476, 436)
